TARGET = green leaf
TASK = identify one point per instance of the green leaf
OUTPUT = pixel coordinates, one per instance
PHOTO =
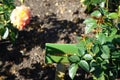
(110, 73)
(113, 15)
(95, 2)
(89, 20)
(102, 4)
(105, 52)
(72, 70)
(99, 59)
(93, 65)
(87, 57)
(90, 25)
(6, 34)
(74, 58)
(102, 38)
(101, 77)
(84, 65)
(95, 49)
(81, 51)
(92, 69)
(104, 64)
(112, 35)
(1, 9)
(13, 35)
(115, 55)
(1, 26)
(113, 32)
(104, 11)
(96, 14)
(87, 2)
(81, 48)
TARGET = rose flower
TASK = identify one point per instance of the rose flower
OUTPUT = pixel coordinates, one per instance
(20, 17)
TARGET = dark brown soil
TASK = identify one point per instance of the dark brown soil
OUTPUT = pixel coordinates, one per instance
(52, 21)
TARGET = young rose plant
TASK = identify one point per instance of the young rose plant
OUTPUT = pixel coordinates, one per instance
(99, 54)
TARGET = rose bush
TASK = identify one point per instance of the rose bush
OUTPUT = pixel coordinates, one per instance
(99, 46)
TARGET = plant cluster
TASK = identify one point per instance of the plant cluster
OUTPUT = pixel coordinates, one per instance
(99, 53)
(6, 28)
(12, 19)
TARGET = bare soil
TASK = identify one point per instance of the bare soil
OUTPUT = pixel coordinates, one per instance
(52, 21)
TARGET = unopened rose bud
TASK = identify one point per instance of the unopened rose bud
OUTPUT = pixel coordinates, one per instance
(20, 17)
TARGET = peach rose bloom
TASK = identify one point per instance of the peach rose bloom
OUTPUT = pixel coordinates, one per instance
(20, 17)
